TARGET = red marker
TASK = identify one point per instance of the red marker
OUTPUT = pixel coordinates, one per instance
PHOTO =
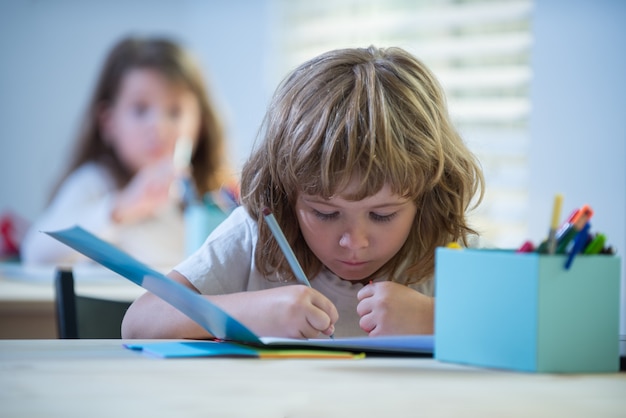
(526, 247)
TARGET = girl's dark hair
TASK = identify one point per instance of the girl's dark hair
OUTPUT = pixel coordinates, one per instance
(178, 66)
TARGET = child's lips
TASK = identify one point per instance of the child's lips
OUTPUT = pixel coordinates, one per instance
(353, 263)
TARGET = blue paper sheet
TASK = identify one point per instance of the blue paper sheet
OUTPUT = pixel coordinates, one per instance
(184, 349)
(206, 314)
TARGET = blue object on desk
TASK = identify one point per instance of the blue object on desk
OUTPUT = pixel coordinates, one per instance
(188, 349)
(206, 314)
(414, 345)
(525, 312)
(201, 218)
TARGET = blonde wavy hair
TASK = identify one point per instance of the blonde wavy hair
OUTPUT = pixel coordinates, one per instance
(378, 113)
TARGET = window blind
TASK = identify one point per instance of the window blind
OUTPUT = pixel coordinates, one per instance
(480, 52)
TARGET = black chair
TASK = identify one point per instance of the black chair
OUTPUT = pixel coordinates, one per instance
(83, 316)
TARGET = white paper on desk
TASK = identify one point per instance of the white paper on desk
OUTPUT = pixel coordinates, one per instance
(211, 317)
(393, 344)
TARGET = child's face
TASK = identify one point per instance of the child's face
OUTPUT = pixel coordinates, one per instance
(355, 238)
(147, 117)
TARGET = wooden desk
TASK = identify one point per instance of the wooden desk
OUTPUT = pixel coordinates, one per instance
(67, 378)
(27, 297)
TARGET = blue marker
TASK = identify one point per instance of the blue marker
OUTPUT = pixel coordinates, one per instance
(579, 243)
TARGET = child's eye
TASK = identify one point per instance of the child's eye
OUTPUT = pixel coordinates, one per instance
(382, 218)
(325, 216)
(140, 109)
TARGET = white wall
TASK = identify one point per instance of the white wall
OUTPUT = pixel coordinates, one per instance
(53, 50)
(578, 119)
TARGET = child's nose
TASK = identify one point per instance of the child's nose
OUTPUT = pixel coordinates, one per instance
(164, 122)
(162, 128)
(354, 238)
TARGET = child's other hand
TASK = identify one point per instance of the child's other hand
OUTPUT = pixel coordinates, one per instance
(388, 308)
(147, 192)
(295, 312)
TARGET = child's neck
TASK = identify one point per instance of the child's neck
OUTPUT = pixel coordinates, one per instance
(362, 282)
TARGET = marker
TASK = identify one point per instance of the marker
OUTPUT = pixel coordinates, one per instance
(596, 245)
(286, 249)
(556, 214)
(568, 221)
(573, 227)
(527, 247)
(579, 243)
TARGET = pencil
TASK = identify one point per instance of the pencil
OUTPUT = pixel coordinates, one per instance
(183, 187)
(285, 247)
(556, 214)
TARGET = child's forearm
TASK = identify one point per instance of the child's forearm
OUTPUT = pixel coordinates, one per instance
(294, 311)
(151, 317)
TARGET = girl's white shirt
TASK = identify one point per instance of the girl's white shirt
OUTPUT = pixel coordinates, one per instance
(85, 198)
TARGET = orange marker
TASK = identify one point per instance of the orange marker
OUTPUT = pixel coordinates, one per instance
(577, 223)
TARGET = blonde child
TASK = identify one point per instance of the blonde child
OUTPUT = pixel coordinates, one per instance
(150, 94)
(361, 166)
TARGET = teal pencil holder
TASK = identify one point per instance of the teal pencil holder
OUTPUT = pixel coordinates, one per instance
(525, 312)
(200, 218)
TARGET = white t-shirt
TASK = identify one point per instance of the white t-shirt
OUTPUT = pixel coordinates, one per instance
(85, 199)
(225, 264)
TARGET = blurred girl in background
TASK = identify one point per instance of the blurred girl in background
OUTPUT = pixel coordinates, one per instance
(149, 101)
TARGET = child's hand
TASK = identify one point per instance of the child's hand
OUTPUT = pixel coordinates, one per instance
(293, 311)
(388, 308)
(147, 192)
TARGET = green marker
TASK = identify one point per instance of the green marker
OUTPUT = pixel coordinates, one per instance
(596, 245)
